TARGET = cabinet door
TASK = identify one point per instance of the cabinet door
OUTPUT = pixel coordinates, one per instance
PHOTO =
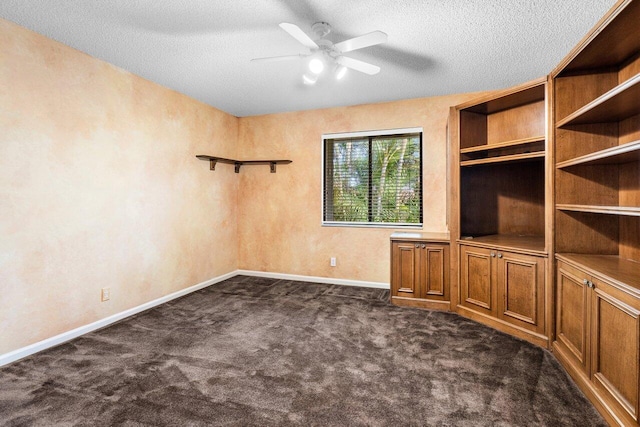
(405, 270)
(476, 279)
(435, 264)
(520, 286)
(572, 314)
(615, 347)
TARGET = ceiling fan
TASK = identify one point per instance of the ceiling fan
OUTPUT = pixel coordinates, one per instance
(323, 53)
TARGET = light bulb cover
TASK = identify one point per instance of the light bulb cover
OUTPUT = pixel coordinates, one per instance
(316, 65)
(309, 79)
(341, 71)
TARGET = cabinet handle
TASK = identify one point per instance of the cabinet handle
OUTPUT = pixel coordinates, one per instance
(424, 246)
(589, 283)
(585, 282)
(417, 245)
(499, 255)
(493, 254)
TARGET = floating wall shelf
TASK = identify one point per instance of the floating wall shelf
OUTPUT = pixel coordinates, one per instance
(213, 160)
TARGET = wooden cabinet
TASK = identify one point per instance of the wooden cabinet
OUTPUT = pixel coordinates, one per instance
(420, 270)
(598, 335)
(507, 286)
(595, 129)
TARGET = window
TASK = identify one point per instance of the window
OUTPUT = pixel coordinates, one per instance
(373, 178)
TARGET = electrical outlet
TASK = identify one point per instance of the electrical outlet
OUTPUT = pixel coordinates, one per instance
(106, 294)
(333, 261)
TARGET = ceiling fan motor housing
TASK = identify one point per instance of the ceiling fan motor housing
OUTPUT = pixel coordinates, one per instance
(321, 29)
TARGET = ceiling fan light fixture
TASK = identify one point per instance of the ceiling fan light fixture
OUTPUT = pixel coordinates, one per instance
(309, 80)
(316, 65)
(324, 54)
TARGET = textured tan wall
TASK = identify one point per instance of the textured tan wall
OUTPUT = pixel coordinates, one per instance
(280, 214)
(99, 187)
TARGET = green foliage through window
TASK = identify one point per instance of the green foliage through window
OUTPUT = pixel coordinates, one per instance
(374, 179)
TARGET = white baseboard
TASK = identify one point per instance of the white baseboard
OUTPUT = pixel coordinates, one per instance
(74, 333)
(316, 279)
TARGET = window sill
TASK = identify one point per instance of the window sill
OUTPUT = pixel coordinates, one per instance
(372, 225)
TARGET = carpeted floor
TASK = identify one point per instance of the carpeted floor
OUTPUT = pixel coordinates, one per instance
(255, 351)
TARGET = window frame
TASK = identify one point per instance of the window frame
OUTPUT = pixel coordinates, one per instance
(368, 134)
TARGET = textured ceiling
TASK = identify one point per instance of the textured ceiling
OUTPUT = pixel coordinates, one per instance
(203, 48)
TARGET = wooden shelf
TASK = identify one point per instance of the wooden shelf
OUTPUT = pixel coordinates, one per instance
(530, 244)
(618, 104)
(526, 93)
(238, 163)
(609, 210)
(506, 144)
(612, 268)
(504, 159)
(611, 156)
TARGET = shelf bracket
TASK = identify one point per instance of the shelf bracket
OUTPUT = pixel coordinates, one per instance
(273, 167)
(237, 166)
(212, 164)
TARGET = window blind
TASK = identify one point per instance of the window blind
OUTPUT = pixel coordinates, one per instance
(373, 180)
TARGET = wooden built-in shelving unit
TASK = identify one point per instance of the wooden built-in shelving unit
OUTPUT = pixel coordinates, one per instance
(596, 144)
(500, 215)
(503, 138)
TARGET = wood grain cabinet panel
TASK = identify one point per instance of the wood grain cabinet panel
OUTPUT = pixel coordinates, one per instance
(520, 280)
(615, 348)
(420, 273)
(405, 274)
(476, 281)
(435, 286)
(572, 314)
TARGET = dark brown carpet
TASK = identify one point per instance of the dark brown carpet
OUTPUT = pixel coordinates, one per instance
(254, 351)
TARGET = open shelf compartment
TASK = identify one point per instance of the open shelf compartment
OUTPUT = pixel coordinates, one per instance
(617, 104)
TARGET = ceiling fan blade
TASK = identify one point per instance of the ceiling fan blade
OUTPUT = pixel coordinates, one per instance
(277, 58)
(370, 39)
(295, 32)
(363, 67)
